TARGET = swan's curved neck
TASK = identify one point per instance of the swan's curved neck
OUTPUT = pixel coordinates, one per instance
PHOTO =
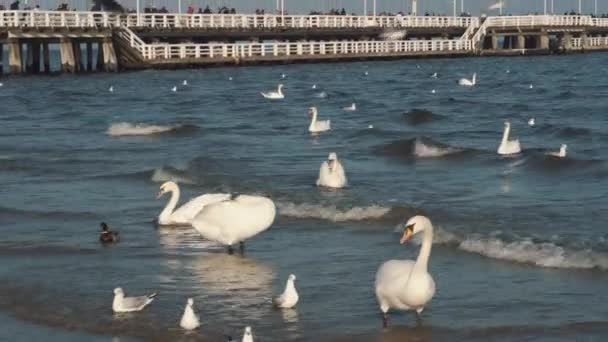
(166, 213)
(425, 251)
(505, 134)
(314, 117)
(280, 90)
(289, 287)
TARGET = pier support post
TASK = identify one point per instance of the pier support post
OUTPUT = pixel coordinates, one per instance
(521, 42)
(77, 56)
(29, 60)
(89, 56)
(32, 64)
(36, 50)
(494, 42)
(46, 57)
(14, 56)
(506, 43)
(543, 41)
(67, 56)
(110, 62)
(584, 41)
(100, 57)
(567, 41)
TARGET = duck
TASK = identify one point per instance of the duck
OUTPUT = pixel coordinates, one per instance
(468, 83)
(184, 214)
(130, 304)
(331, 173)
(561, 153)
(508, 147)
(190, 320)
(275, 95)
(351, 108)
(532, 122)
(106, 235)
(317, 126)
(235, 219)
(407, 284)
(289, 298)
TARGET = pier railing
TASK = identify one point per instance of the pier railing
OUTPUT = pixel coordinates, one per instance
(540, 20)
(56, 19)
(282, 49)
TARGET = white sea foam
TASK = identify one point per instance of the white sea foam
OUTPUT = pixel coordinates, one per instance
(429, 151)
(163, 175)
(331, 213)
(126, 129)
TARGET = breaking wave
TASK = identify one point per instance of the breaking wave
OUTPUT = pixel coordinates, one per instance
(129, 129)
(335, 214)
(420, 147)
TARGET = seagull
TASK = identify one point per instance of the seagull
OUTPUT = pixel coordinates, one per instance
(174, 89)
(1, 84)
(130, 304)
(531, 86)
(562, 152)
(531, 122)
(370, 126)
(289, 297)
(190, 320)
(434, 75)
(366, 73)
(111, 89)
(230, 78)
(314, 86)
(433, 91)
(185, 82)
(351, 108)
(283, 76)
(508, 71)
(247, 336)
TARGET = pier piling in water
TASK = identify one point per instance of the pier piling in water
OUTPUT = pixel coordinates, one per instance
(46, 57)
(66, 49)
(14, 56)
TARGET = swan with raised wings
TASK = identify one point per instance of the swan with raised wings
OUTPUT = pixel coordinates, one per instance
(331, 173)
(317, 126)
(407, 284)
(275, 95)
(235, 219)
(507, 146)
(183, 215)
(468, 83)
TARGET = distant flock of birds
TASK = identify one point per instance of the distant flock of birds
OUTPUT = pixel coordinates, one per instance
(229, 219)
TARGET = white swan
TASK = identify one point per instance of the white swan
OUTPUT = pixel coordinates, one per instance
(314, 86)
(407, 284)
(289, 298)
(130, 304)
(562, 152)
(183, 215)
(468, 83)
(111, 89)
(434, 75)
(331, 173)
(275, 95)
(247, 335)
(532, 122)
(185, 82)
(508, 146)
(190, 320)
(351, 108)
(235, 219)
(174, 89)
(317, 126)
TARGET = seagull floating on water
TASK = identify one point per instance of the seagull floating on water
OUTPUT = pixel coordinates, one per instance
(434, 75)
(185, 82)
(366, 73)
(433, 91)
(174, 89)
(283, 76)
(289, 298)
(130, 304)
(230, 78)
(562, 152)
(190, 320)
(111, 89)
(314, 86)
(531, 86)
(351, 108)
(531, 122)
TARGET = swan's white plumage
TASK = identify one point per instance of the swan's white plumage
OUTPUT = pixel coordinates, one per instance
(468, 83)
(289, 298)
(331, 173)
(190, 320)
(406, 284)
(235, 220)
(275, 95)
(184, 214)
(508, 146)
(247, 335)
(532, 122)
(352, 108)
(317, 126)
(174, 89)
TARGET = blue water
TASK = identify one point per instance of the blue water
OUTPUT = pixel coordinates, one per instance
(521, 250)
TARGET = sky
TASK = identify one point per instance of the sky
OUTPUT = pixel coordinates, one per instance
(352, 6)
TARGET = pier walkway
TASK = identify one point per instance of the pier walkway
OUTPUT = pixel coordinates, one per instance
(131, 41)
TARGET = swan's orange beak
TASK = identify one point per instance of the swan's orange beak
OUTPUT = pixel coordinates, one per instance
(407, 233)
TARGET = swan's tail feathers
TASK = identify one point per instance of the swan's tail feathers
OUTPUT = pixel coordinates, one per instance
(277, 301)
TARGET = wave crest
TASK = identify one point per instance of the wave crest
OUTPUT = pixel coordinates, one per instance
(335, 214)
(129, 129)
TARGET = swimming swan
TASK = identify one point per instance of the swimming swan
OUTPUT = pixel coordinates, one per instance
(562, 152)
(331, 173)
(183, 215)
(468, 83)
(247, 335)
(508, 146)
(190, 320)
(352, 108)
(275, 95)
(235, 219)
(407, 284)
(317, 126)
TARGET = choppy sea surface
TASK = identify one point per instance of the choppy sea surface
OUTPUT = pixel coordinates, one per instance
(521, 246)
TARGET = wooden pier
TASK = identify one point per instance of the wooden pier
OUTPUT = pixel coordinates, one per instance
(102, 41)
